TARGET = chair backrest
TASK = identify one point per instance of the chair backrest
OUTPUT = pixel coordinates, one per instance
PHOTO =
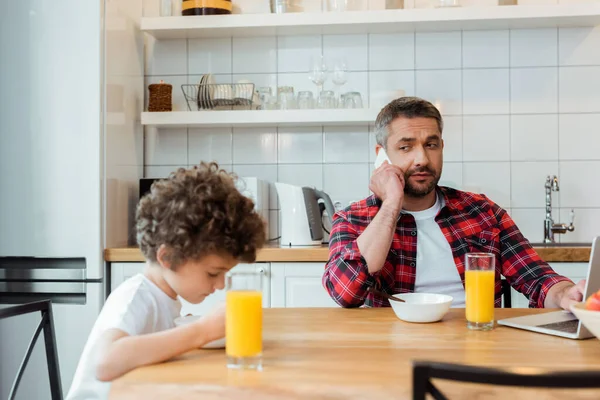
(423, 372)
(47, 325)
(506, 294)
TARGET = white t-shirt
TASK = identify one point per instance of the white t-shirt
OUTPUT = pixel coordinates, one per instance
(436, 270)
(136, 307)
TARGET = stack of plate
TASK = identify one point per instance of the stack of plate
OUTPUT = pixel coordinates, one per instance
(206, 89)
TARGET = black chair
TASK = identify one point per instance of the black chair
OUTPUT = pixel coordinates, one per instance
(506, 293)
(47, 324)
(423, 372)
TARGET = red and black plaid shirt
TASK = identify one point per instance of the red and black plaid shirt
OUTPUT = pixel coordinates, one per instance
(470, 222)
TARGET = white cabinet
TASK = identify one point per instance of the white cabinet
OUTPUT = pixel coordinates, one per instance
(123, 271)
(299, 285)
(573, 271)
(120, 272)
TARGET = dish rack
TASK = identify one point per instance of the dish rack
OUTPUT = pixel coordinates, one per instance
(220, 96)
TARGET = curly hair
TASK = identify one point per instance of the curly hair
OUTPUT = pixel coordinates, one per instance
(196, 212)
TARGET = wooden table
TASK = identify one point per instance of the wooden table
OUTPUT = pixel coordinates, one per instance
(360, 354)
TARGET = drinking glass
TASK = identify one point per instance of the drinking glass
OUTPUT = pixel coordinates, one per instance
(326, 99)
(352, 100)
(337, 5)
(318, 72)
(243, 320)
(285, 96)
(265, 95)
(480, 282)
(305, 100)
(339, 77)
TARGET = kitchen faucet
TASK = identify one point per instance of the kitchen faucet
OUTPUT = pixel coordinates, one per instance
(550, 228)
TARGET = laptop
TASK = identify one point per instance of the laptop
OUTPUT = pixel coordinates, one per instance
(563, 323)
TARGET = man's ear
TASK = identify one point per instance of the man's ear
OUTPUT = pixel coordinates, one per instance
(162, 257)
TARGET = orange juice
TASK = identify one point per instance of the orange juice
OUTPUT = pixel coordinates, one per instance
(479, 288)
(243, 323)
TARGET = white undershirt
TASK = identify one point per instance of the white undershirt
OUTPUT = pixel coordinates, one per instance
(436, 270)
(136, 307)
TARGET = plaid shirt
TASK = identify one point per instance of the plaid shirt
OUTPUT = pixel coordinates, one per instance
(470, 222)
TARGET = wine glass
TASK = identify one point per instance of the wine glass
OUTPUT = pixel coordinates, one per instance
(318, 72)
(339, 76)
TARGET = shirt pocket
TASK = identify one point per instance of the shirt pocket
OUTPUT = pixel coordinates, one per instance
(485, 241)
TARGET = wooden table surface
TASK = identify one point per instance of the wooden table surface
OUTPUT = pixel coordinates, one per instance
(361, 354)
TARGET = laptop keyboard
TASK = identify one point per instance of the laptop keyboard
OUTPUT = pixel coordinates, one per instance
(565, 326)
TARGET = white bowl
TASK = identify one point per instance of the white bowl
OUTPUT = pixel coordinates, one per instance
(589, 319)
(215, 344)
(421, 307)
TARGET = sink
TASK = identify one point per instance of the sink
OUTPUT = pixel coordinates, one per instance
(575, 244)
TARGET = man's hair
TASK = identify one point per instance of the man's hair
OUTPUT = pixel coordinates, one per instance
(197, 212)
(407, 107)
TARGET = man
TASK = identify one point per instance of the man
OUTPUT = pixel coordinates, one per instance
(412, 235)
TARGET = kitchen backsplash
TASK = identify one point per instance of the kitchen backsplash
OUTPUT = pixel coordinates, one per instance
(518, 105)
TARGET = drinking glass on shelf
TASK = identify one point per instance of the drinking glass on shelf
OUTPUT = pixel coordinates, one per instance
(326, 99)
(339, 76)
(265, 96)
(285, 97)
(447, 3)
(337, 5)
(318, 72)
(305, 100)
(480, 274)
(243, 320)
(352, 100)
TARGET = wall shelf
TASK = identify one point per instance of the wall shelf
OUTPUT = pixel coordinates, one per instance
(262, 118)
(380, 21)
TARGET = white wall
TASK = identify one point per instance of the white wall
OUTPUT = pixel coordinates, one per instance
(518, 105)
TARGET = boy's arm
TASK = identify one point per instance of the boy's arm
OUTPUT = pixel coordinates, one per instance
(119, 353)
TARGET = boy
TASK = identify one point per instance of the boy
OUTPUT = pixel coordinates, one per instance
(192, 228)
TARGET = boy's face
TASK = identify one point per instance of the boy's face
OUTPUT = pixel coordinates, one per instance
(194, 280)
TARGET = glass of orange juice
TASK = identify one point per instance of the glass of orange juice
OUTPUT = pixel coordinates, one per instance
(243, 320)
(480, 275)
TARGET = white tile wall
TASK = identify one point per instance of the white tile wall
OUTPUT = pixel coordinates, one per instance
(533, 47)
(344, 144)
(394, 51)
(351, 48)
(453, 139)
(486, 91)
(533, 137)
(294, 53)
(209, 55)
(438, 50)
(579, 46)
(485, 49)
(442, 88)
(486, 138)
(300, 145)
(518, 105)
(534, 90)
(210, 145)
(255, 146)
(579, 138)
(254, 55)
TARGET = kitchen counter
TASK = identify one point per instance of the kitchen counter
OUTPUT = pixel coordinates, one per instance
(274, 253)
(335, 353)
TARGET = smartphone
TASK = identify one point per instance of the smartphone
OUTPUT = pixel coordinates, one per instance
(381, 157)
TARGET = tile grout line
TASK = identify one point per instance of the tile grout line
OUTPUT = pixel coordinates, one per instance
(510, 165)
(558, 106)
